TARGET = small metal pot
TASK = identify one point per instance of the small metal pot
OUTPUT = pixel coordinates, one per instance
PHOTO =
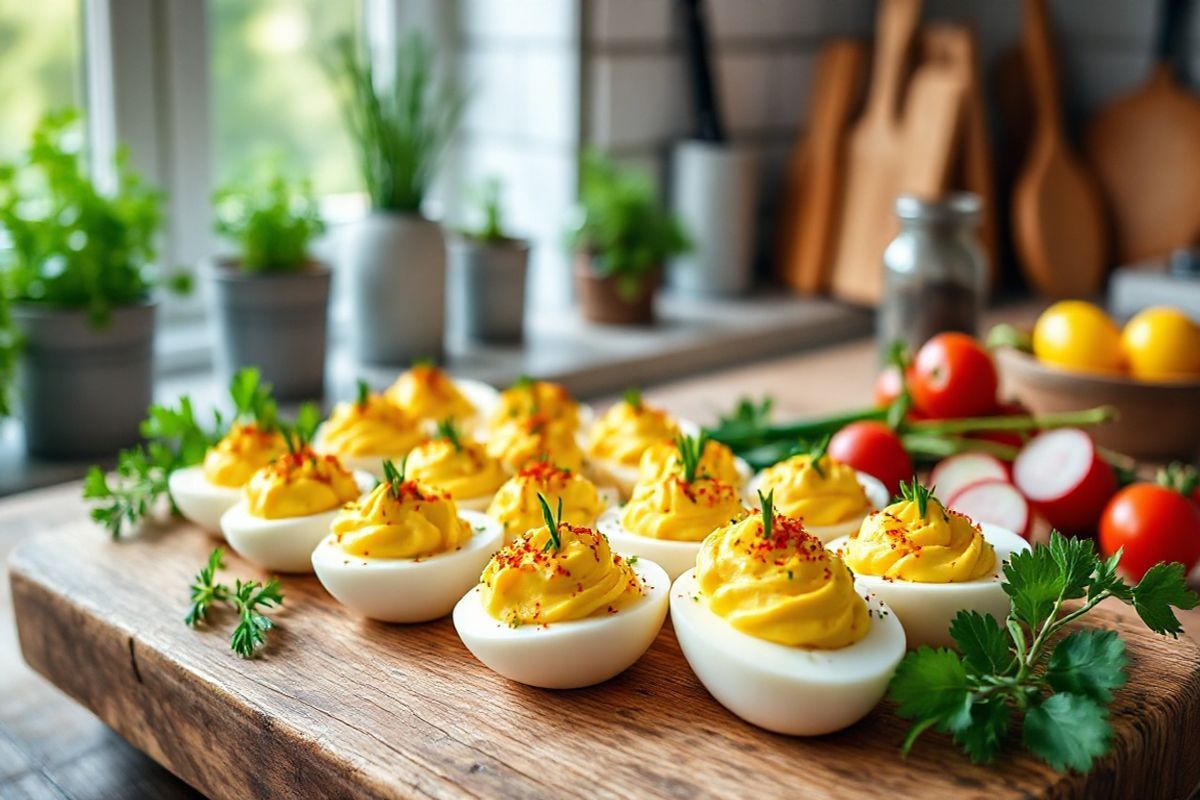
(84, 390)
(601, 301)
(276, 322)
(487, 288)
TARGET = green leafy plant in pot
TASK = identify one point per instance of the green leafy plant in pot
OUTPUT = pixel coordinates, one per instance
(487, 270)
(79, 281)
(272, 299)
(395, 258)
(622, 238)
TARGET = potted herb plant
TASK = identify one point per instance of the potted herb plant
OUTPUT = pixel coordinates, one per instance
(272, 299)
(395, 258)
(79, 277)
(487, 269)
(622, 239)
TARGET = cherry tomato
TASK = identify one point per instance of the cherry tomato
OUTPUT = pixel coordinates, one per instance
(953, 376)
(1153, 524)
(887, 386)
(874, 448)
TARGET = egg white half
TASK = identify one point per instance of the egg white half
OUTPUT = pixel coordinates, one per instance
(407, 589)
(567, 655)
(926, 609)
(792, 690)
(281, 545)
(199, 500)
(675, 557)
(877, 495)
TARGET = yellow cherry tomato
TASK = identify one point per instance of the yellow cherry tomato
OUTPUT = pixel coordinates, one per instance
(1162, 344)
(1076, 335)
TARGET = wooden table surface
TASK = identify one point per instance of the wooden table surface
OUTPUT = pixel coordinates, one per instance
(51, 747)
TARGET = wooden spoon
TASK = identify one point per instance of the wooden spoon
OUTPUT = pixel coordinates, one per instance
(1058, 219)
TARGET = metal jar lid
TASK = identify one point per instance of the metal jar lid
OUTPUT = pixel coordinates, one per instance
(957, 207)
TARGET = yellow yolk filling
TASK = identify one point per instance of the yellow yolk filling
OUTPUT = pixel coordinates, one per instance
(522, 442)
(549, 400)
(377, 427)
(940, 547)
(662, 459)
(299, 484)
(516, 505)
(426, 392)
(410, 521)
(626, 430)
(674, 509)
(528, 583)
(241, 453)
(785, 589)
(824, 496)
(465, 470)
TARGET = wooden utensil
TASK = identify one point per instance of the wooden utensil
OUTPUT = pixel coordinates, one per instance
(932, 124)
(1058, 220)
(1145, 150)
(956, 47)
(812, 189)
(875, 151)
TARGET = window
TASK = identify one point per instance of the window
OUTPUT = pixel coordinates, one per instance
(271, 96)
(40, 66)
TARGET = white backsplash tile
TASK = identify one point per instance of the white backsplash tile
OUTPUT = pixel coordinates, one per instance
(626, 21)
(637, 99)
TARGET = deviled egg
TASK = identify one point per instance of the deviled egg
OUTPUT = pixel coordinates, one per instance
(405, 552)
(775, 628)
(618, 440)
(287, 507)
(454, 463)
(426, 393)
(928, 562)
(524, 440)
(367, 431)
(516, 505)
(557, 608)
(716, 461)
(204, 492)
(527, 397)
(668, 517)
(831, 497)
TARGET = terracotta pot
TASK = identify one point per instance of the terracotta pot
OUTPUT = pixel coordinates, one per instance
(600, 299)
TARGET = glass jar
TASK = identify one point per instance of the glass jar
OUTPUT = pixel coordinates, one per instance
(935, 271)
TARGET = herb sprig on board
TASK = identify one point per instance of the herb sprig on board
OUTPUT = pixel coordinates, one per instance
(1061, 685)
(248, 598)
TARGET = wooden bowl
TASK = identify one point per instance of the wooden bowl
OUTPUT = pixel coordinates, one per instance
(1158, 421)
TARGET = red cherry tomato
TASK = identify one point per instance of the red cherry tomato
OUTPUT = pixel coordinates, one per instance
(953, 376)
(874, 448)
(1153, 524)
(887, 386)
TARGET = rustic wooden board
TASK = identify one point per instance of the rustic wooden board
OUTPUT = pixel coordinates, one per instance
(341, 707)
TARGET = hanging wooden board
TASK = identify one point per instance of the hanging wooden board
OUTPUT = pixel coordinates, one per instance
(341, 707)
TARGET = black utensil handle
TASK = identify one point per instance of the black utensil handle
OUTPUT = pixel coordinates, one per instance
(708, 113)
(1172, 34)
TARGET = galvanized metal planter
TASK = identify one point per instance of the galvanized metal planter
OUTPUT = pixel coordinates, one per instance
(487, 288)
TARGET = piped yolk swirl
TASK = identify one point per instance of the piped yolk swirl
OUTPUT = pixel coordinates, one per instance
(662, 459)
(940, 546)
(516, 504)
(530, 439)
(622, 435)
(531, 583)
(377, 427)
(785, 588)
(243, 451)
(465, 470)
(825, 493)
(299, 484)
(426, 392)
(407, 521)
(672, 508)
(528, 398)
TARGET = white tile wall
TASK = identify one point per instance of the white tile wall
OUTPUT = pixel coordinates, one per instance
(630, 21)
(636, 100)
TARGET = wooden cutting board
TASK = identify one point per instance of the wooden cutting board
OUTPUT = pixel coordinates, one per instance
(932, 122)
(812, 186)
(1145, 150)
(874, 156)
(341, 707)
(1059, 227)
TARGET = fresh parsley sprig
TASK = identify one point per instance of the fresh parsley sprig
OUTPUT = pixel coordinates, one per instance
(252, 399)
(552, 523)
(248, 599)
(298, 434)
(1060, 684)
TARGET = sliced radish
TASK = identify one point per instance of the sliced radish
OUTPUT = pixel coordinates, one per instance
(994, 501)
(953, 474)
(1063, 476)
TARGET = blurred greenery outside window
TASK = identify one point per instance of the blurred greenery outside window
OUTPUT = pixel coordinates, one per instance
(270, 96)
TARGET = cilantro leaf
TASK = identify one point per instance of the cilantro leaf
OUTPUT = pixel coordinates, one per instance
(1034, 581)
(1163, 586)
(1106, 579)
(979, 726)
(984, 645)
(1089, 663)
(1076, 560)
(930, 687)
(1067, 731)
